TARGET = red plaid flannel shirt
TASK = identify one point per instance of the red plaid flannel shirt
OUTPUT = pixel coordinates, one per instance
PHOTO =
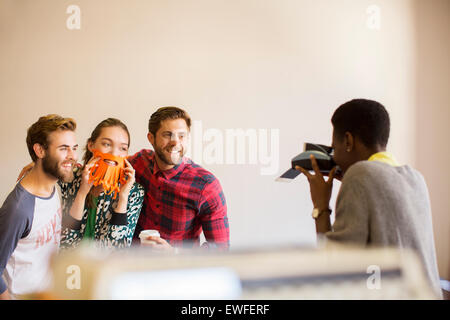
(181, 202)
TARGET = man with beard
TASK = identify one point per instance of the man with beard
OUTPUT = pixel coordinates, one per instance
(182, 199)
(30, 218)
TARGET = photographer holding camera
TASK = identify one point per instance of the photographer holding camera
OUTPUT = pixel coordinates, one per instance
(380, 203)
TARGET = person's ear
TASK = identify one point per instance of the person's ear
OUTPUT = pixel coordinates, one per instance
(151, 138)
(349, 141)
(90, 145)
(39, 150)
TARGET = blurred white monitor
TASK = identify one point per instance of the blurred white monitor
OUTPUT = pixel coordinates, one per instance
(283, 273)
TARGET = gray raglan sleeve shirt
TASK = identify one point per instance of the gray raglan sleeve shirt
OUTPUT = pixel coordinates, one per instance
(16, 217)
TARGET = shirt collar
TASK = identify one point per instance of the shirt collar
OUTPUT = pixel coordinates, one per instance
(385, 157)
(168, 174)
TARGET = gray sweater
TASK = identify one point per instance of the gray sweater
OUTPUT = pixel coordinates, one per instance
(382, 205)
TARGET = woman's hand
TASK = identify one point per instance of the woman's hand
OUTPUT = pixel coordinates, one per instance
(130, 179)
(319, 188)
(85, 186)
(77, 209)
(125, 188)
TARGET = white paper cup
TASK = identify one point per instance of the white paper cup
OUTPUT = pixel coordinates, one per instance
(143, 235)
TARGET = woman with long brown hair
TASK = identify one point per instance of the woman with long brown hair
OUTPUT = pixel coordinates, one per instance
(94, 209)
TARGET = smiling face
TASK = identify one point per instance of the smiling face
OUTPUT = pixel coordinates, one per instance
(170, 142)
(111, 146)
(112, 140)
(60, 155)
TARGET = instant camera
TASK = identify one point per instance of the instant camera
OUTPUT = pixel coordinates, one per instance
(323, 155)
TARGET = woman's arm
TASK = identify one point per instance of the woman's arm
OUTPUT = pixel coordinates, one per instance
(74, 199)
(122, 225)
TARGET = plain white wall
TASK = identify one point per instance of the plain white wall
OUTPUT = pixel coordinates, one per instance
(282, 66)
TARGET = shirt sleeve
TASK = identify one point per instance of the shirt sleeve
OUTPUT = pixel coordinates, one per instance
(213, 216)
(352, 214)
(15, 223)
(121, 234)
(132, 159)
(71, 236)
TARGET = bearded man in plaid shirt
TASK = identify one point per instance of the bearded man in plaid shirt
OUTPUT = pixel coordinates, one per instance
(182, 199)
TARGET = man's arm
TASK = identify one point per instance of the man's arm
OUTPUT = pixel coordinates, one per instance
(14, 224)
(213, 216)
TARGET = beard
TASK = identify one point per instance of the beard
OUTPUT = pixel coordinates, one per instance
(52, 167)
(172, 159)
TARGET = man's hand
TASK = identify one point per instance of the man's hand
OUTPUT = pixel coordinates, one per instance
(25, 171)
(159, 244)
(319, 188)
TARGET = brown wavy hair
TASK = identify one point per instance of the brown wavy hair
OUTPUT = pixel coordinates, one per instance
(110, 122)
(165, 113)
(41, 129)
